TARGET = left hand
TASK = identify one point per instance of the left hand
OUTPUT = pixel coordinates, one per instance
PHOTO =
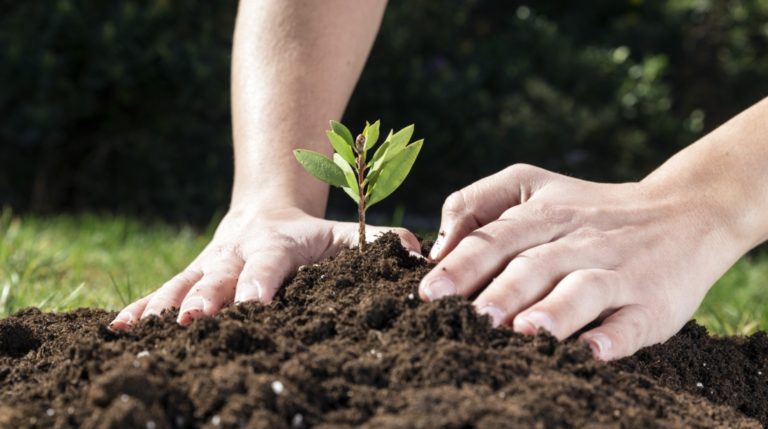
(547, 251)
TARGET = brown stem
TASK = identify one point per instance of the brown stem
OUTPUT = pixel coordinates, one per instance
(360, 149)
(361, 203)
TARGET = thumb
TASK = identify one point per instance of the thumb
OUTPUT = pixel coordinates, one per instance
(482, 202)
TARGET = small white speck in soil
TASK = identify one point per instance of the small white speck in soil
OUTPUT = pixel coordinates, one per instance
(410, 296)
(297, 421)
(50, 412)
(151, 425)
(277, 387)
(124, 398)
(216, 420)
(142, 354)
(700, 385)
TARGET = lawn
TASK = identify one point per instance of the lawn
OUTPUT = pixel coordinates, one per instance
(64, 262)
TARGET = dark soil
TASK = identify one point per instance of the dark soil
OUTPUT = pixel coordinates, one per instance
(347, 343)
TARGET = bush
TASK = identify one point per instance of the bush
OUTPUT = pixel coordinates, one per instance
(124, 105)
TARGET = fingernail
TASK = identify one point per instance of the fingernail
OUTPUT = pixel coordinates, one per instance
(532, 322)
(195, 303)
(439, 288)
(124, 318)
(599, 343)
(246, 293)
(496, 315)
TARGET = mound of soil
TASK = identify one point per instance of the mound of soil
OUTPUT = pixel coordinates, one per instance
(347, 343)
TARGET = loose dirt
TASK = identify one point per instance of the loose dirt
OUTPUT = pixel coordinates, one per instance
(347, 343)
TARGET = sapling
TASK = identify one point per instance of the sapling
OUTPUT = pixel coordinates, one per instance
(366, 181)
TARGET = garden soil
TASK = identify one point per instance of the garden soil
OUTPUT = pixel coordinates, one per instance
(347, 343)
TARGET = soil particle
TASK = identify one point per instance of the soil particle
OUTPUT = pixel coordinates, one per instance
(347, 343)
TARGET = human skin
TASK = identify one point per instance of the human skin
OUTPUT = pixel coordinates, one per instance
(294, 67)
(545, 251)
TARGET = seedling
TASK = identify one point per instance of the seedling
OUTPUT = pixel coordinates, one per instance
(365, 181)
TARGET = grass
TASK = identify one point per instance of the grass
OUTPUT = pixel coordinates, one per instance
(65, 262)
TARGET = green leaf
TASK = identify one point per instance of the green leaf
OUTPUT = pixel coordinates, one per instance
(343, 131)
(389, 136)
(340, 146)
(394, 172)
(320, 167)
(399, 140)
(352, 194)
(349, 174)
(371, 178)
(371, 134)
(379, 154)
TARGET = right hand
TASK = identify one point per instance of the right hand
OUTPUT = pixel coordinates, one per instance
(249, 257)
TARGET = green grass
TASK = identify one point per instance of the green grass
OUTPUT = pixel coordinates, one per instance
(65, 262)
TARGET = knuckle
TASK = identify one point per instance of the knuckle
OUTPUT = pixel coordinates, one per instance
(597, 283)
(455, 204)
(529, 262)
(186, 276)
(521, 170)
(587, 278)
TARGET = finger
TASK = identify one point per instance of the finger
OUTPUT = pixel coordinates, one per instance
(623, 333)
(263, 274)
(172, 292)
(576, 301)
(215, 289)
(130, 314)
(485, 252)
(482, 202)
(530, 276)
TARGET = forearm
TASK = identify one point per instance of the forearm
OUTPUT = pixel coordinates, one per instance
(294, 66)
(727, 172)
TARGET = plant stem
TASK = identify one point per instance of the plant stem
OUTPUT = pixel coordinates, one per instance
(360, 146)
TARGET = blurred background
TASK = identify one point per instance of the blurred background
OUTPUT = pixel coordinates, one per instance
(122, 107)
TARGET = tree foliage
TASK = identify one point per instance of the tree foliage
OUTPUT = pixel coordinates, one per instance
(124, 105)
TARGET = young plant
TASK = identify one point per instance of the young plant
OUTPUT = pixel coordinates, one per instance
(366, 181)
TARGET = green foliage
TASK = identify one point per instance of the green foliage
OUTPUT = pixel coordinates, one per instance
(387, 170)
(125, 105)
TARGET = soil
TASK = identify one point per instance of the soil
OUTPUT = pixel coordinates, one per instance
(347, 343)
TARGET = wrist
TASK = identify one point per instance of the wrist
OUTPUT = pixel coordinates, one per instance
(710, 198)
(274, 195)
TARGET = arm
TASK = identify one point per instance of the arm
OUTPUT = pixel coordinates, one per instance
(558, 253)
(294, 66)
(729, 167)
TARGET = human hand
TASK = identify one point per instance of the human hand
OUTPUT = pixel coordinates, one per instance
(549, 251)
(250, 255)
